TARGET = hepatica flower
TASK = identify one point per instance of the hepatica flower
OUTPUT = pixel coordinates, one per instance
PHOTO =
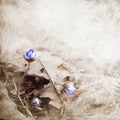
(30, 55)
(36, 101)
(70, 89)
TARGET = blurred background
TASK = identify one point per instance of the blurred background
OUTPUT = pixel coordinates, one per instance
(83, 32)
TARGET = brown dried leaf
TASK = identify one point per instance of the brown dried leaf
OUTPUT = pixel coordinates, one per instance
(62, 67)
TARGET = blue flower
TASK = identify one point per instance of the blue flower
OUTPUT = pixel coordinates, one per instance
(36, 101)
(30, 55)
(71, 89)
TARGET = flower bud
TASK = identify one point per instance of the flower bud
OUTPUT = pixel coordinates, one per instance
(30, 55)
(36, 101)
(70, 89)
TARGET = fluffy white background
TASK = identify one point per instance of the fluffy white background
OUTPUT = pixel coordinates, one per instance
(85, 29)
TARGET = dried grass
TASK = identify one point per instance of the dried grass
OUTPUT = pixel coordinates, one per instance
(6, 69)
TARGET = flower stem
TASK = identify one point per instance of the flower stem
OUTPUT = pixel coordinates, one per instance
(62, 103)
(20, 81)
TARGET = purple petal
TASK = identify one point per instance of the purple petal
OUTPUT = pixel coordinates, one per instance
(69, 92)
(29, 54)
(71, 89)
